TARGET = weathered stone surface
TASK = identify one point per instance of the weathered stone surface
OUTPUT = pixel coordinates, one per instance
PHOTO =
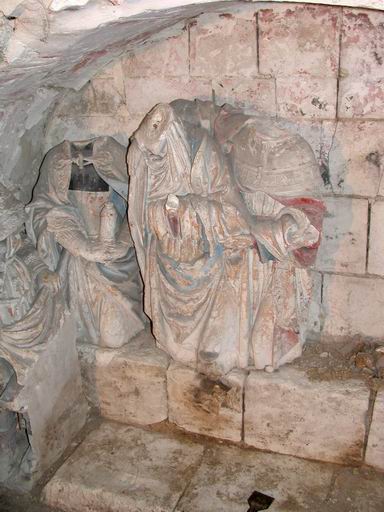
(355, 153)
(375, 447)
(166, 58)
(257, 93)
(360, 98)
(120, 127)
(101, 96)
(299, 39)
(124, 469)
(376, 240)
(315, 316)
(53, 400)
(344, 239)
(68, 47)
(121, 468)
(361, 63)
(203, 406)
(224, 45)
(353, 305)
(285, 412)
(129, 384)
(356, 489)
(228, 476)
(306, 96)
(143, 94)
(362, 44)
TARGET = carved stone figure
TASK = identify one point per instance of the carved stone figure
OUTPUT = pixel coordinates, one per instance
(77, 219)
(30, 313)
(226, 222)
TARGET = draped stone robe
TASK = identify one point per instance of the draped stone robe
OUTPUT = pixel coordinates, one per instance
(276, 173)
(224, 285)
(106, 298)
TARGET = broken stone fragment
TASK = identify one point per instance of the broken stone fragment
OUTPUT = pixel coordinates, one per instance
(364, 360)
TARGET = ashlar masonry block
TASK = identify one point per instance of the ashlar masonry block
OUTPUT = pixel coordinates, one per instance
(129, 384)
(286, 412)
(200, 405)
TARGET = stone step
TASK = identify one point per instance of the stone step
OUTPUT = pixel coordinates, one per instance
(119, 468)
(138, 385)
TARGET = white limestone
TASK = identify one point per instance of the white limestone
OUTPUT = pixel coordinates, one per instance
(376, 240)
(228, 476)
(287, 413)
(375, 447)
(344, 238)
(353, 305)
(203, 406)
(129, 384)
(52, 400)
(119, 468)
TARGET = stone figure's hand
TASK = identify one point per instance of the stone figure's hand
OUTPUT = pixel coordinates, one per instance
(236, 243)
(297, 229)
(100, 252)
(116, 250)
(50, 280)
(181, 238)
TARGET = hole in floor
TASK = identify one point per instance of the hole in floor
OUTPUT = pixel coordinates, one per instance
(259, 501)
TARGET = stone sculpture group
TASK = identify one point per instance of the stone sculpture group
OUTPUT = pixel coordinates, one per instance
(207, 236)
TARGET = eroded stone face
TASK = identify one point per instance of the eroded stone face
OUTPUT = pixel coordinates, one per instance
(226, 219)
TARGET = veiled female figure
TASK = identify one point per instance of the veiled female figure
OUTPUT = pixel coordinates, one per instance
(77, 220)
(190, 242)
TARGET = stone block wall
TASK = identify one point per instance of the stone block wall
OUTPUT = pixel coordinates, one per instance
(320, 72)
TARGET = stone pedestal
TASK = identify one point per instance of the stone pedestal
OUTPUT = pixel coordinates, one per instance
(127, 384)
(287, 413)
(203, 406)
(51, 402)
(375, 448)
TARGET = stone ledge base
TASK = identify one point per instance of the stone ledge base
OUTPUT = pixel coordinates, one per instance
(128, 385)
(284, 412)
(53, 403)
(288, 413)
(375, 447)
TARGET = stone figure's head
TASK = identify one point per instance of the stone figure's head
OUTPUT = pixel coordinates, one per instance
(151, 133)
(12, 214)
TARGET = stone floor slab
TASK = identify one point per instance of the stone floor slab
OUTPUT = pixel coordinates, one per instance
(124, 469)
(229, 475)
(202, 406)
(119, 382)
(286, 412)
(356, 490)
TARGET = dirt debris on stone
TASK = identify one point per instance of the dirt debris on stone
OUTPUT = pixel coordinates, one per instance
(351, 359)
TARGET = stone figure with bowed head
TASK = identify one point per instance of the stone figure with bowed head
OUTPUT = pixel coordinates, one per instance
(225, 224)
(30, 314)
(77, 219)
